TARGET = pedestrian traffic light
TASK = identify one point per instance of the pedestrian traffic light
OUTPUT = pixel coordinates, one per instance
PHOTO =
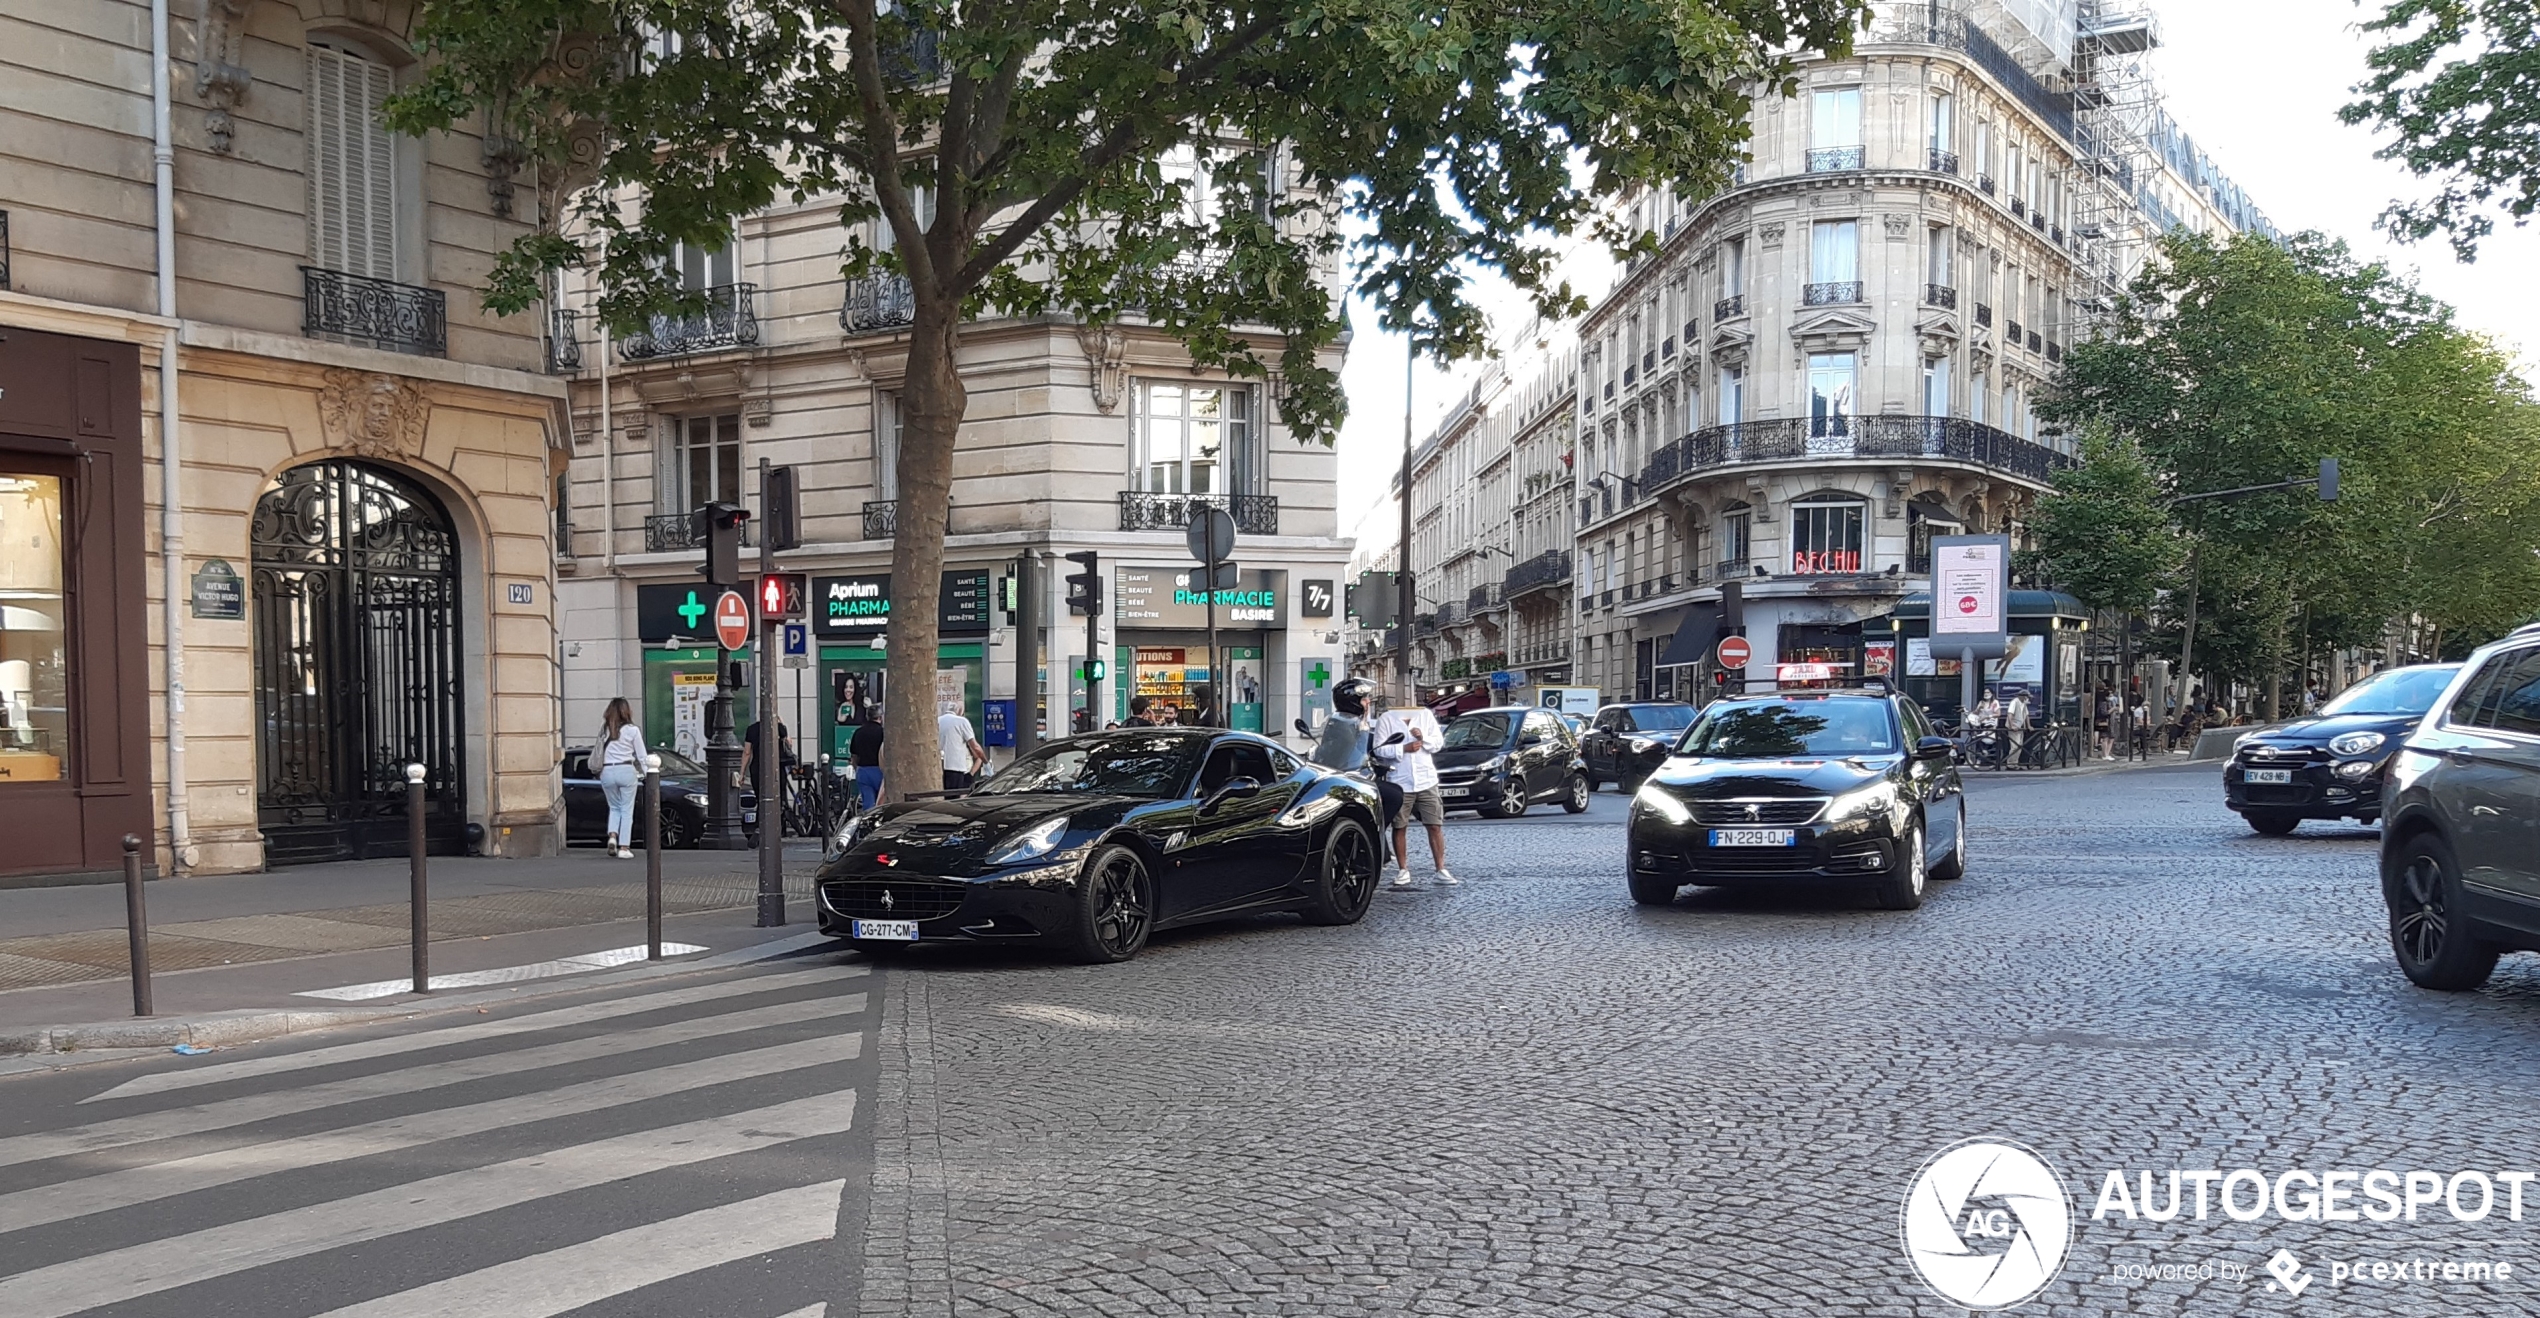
(1084, 589)
(781, 596)
(1095, 670)
(718, 527)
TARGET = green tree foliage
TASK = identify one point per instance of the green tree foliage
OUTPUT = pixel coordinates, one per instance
(2458, 84)
(2237, 362)
(2104, 535)
(1018, 156)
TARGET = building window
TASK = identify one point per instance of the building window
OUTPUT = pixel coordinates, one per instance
(1733, 268)
(1978, 389)
(705, 461)
(1825, 537)
(701, 268)
(352, 165)
(1737, 537)
(886, 446)
(1939, 259)
(34, 656)
(1936, 386)
(1195, 439)
(1944, 134)
(1732, 395)
(1925, 522)
(2010, 406)
(1834, 130)
(1834, 262)
(1830, 397)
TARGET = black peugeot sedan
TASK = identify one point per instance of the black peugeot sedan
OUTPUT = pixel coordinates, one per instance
(1501, 760)
(1628, 741)
(2330, 765)
(1094, 843)
(683, 802)
(1802, 787)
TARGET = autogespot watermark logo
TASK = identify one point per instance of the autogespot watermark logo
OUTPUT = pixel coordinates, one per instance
(1986, 1223)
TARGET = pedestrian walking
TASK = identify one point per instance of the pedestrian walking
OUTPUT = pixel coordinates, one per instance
(963, 756)
(621, 765)
(1415, 771)
(2015, 727)
(1983, 723)
(2106, 704)
(864, 751)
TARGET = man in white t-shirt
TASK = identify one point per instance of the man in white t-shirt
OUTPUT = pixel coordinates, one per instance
(960, 744)
(1415, 771)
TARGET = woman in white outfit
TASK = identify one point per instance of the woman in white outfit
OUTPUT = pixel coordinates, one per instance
(621, 765)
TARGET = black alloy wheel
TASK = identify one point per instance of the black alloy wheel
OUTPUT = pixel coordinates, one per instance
(1576, 799)
(1347, 885)
(2273, 823)
(1954, 865)
(2434, 944)
(1512, 798)
(681, 830)
(1902, 890)
(1119, 906)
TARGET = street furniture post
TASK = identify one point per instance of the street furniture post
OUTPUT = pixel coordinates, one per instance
(419, 927)
(652, 857)
(136, 925)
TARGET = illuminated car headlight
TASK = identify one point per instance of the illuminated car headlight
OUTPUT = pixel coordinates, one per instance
(1494, 764)
(2358, 743)
(1662, 803)
(2356, 770)
(1031, 844)
(1875, 799)
(1644, 746)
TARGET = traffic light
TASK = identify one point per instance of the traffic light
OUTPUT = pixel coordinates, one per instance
(1374, 598)
(781, 596)
(719, 525)
(2328, 480)
(1084, 589)
(780, 510)
(1095, 670)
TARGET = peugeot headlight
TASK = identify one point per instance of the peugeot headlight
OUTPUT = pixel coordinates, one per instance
(1031, 844)
(1876, 799)
(1662, 803)
(2357, 743)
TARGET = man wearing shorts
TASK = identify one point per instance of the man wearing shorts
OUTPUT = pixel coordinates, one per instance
(1415, 771)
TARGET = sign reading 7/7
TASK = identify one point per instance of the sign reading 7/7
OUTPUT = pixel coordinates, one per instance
(1318, 599)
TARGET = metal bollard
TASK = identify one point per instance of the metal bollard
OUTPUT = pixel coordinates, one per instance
(136, 919)
(652, 857)
(415, 895)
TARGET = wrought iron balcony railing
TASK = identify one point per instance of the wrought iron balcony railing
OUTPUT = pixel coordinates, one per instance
(1450, 613)
(2019, 207)
(1727, 307)
(1791, 439)
(2036, 341)
(2054, 351)
(1943, 162)
(2011, 336)
(376, 313)
(1254, 514)
(881, 519)
(1833, 159)
(878, 303)
(1542, 572)
(1940, 295)
(669, 533)
(729, 319)
(564, 342)
(1985, 181)
(1984, 315)
(1480, 600)
(1833, 294)
(1541, 653)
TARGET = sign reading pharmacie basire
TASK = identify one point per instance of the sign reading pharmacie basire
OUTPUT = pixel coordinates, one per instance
(857, 605)
(1160, 598)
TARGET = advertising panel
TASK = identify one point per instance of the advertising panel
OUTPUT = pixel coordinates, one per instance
(1970, 595)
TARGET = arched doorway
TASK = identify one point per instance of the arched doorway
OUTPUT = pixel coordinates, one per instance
(357, 663)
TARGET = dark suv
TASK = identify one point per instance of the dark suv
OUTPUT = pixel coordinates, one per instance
(2330, 765)
(1802, 787)
(1628, 741)
(1499, 761)
(2460, 838)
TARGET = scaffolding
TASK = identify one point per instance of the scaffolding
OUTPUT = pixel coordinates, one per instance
(2117, 111)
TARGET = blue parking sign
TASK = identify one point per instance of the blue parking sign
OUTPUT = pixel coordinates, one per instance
(797, 640)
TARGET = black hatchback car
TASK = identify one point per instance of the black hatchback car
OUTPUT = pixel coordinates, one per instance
(1501, 760)
(1813, 787)
(2460, 834)
(1628, 741)
(2330, 765)
(683, 802)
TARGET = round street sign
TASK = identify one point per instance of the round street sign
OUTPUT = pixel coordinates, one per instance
(1211, 534)
(732, 620)
(1734, 652)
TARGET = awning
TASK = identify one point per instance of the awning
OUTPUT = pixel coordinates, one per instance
(1694, 637)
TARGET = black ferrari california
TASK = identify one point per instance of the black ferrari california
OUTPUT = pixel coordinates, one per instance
(1093, 843)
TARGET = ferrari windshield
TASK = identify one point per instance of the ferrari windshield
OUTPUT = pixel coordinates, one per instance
(1477, 732)
(1154, 767)
(2398, 691)
(1780, 729)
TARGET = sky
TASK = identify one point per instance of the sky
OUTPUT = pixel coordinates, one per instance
(2257, 83)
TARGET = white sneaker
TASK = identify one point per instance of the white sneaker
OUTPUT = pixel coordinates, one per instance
(624, 853)
(1402, 878)
(1448, 879)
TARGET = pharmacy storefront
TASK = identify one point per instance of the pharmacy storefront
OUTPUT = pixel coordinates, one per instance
(852, 636)
(1162, 643)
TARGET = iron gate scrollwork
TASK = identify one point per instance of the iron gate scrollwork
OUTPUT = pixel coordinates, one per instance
(357, 663)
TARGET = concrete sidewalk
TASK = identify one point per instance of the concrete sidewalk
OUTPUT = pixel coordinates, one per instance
(237, 956)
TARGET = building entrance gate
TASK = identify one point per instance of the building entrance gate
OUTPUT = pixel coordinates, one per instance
(357, 664)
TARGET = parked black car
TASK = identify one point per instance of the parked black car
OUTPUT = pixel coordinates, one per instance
(1802, 788)
(2330, 765)
(683, 802)
(1095, 842)
(1501, 760)
(2460, 836)
(1629, 741)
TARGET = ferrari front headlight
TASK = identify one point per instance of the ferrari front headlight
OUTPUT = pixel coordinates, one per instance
(1030, 844)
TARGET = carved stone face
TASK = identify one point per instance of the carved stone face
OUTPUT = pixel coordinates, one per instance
(379, 410)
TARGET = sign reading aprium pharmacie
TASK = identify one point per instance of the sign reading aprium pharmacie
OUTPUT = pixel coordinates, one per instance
(1970, 595)
(1160, 598)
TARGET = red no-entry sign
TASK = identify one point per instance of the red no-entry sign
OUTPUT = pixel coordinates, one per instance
(732, 620)
(1734, 652)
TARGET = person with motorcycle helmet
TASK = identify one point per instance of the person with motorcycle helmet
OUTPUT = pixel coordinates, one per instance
(1342, 744)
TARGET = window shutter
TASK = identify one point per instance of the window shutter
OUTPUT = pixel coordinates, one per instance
(352, 173)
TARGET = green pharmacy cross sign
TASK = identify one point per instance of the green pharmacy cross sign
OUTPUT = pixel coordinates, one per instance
(692, 610)
(1319, 675)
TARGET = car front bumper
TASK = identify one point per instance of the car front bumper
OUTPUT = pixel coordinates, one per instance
(1819, 853)
(1018, 905)
(2316, 792)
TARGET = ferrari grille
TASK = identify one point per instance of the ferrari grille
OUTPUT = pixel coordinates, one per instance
(892, 899)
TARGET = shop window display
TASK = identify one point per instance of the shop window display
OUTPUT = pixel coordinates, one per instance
(34, 658)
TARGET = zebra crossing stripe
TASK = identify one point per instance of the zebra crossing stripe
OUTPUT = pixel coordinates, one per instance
(118, 1275)
(143, 1127)
(125, 1187)
(217, 1072)
(561, 1280)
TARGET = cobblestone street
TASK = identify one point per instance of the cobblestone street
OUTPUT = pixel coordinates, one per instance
(1525, 1095)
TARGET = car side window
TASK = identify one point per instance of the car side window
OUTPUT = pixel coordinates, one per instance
(577, 766)
(2476, 706)
(1232, 760)
(2515, 706)
(1544, 726)
(1283, 764)
(1610, 721)
(1624, 722)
